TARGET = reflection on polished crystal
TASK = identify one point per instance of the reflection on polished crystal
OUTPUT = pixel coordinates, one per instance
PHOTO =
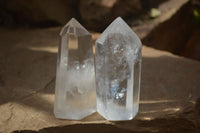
(118, 68)
(75, 95)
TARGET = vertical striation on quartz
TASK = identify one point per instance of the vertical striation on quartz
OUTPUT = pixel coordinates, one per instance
(75, 94)
(118, 68)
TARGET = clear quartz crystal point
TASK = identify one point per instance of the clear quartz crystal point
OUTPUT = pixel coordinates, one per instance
(118, 68)
(75, 95)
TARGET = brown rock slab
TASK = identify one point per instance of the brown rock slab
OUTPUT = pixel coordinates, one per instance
(96, 15)
(192, 47)
(169, 89)
(180, 33)
(41, 13)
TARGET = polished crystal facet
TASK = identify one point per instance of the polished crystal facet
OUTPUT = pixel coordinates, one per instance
(75, 96)
(118, 68)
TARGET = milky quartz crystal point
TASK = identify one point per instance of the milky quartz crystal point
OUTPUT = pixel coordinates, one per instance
(75, 95)
(118, 68)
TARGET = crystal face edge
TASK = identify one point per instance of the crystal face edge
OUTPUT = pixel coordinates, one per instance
(102, 109)
(75, 84)
(74, 27)
(115, 26)
(110, 88)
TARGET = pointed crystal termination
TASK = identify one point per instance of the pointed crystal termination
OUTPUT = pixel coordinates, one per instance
(75, 95)
(118, 68)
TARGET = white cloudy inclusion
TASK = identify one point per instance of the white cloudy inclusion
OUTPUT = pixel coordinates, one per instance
(118, 68)
(75, 95)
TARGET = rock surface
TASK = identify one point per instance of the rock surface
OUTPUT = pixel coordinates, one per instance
(37, 13)
(93, 14)
(178, 36)
(169, 89)
(97, 15)
(192, 47)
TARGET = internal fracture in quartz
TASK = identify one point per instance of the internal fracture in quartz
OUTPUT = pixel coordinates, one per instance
(118, 68)
(75, 95)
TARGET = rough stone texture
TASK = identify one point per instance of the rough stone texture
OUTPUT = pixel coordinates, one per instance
(179, 36)
(167, 9)
(192, 47)
(128, 7)
(38, 13)
(93, 12)
(169, 89)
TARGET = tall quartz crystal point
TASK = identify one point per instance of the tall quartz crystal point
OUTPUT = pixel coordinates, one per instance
(118, 68)
(75, 95)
